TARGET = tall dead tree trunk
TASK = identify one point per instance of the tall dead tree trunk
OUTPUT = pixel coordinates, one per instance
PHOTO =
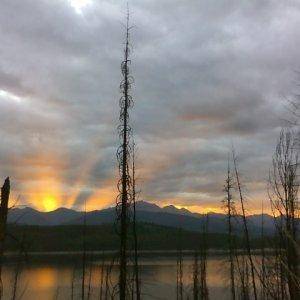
(284, 200)
(18, 267)
(83, 255)
(101, 277)
(179, 277)
(245, 224)
(263, 257)
(5, 190)
(123, 156)
(204, 294)
(230, 211)
(196, 276)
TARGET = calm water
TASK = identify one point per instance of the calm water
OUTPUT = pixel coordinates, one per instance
(45, 281)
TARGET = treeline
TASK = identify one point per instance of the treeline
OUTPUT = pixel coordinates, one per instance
(104, 237)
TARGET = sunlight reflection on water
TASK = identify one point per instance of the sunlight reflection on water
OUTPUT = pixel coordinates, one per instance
(53, 281)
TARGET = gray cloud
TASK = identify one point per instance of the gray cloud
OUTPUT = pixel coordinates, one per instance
(207, 74)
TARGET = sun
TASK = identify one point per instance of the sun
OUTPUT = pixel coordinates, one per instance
(78, 5)
(49, 203)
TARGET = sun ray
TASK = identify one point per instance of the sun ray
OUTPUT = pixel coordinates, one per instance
(79, 5)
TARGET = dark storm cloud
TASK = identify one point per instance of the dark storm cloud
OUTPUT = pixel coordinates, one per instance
(207, 74)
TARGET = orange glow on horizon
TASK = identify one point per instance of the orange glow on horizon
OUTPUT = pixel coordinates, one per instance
(210, 208)
(200, 209)
(46, 189)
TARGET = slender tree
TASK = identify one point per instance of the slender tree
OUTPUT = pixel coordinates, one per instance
(123, 155)
(73, 283)
(245, 225)
(230, 211)
(101, 277)
(89, 292)
(84, 256)
(179, 272)
(243, 278)
(18, 267)
(5, 191)
(284, 200)
(204, 294)
(196, 276)
(263, 256)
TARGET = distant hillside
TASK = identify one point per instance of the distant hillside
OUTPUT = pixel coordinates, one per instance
(104, 237)
(146, 212)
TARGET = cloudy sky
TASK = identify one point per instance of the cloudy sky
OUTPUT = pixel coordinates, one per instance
(207, 74)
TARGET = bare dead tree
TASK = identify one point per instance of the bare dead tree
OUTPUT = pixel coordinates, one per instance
(22, 253)
(179, 272)
(228, 204)
(5, 191)
(89, 292)
(101, 278)
(243, 276)
(110, 289)
(73, 283)
(196, 276)
(107, 289)
(276, 285)
(123, 156)
(275, 279)
(245, 224)
(284, 187)
(263, 273)
(204, 294)
(84, 256)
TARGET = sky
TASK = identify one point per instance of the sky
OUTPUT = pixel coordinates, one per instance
(208, 74)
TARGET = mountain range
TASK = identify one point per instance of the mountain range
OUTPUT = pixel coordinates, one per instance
(146, 212)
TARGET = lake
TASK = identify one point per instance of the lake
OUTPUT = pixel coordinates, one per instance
(53, 279)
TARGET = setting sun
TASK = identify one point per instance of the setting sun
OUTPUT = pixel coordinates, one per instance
(49, 203)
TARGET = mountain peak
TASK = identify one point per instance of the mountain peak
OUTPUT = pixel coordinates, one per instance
(147, 206)
(174, 210)
(61, 210)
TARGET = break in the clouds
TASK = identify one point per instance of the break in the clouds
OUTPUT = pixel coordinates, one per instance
(207, 74)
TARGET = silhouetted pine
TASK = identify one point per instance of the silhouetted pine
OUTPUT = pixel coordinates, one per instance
(243, 278)
(245, 225)
(73, 283)
(228, 204)
(203, 288)
(196, 276)
(101, 277)
(18, 267)
(123, 155)
(89, 291)
(84, 256)
(284, 186)
(263, 273)
(5, 191)
(179, 271)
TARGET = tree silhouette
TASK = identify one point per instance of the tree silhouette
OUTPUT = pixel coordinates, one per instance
(123, 156)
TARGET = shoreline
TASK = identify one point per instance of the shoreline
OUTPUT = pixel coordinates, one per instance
(142, 253)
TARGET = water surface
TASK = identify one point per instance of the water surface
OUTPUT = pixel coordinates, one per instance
(53, 280)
